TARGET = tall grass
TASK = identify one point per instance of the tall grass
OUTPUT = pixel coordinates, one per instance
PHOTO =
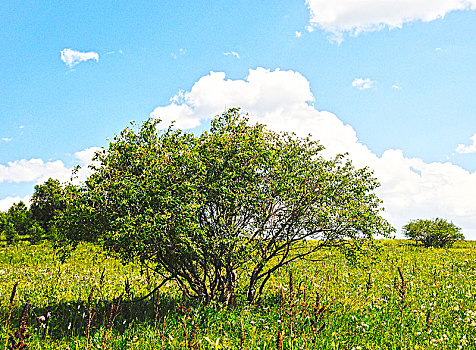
(407, 297)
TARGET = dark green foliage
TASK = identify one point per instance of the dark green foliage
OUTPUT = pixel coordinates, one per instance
(10, 233)
(3, 221)
(37, 222)
(20, 217)
(238, 199)
(35, 232)
(433, 233)
(46, 202)
(16, 222)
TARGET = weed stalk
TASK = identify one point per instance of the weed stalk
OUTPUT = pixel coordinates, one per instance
(18, 339)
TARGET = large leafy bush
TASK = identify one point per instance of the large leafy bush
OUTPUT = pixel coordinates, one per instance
(238, 199)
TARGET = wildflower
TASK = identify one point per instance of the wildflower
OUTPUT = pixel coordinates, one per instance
(42, 318)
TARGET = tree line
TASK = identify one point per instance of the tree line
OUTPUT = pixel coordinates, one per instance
(36, 222)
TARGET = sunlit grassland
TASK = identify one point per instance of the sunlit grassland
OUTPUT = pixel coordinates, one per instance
(329, 304)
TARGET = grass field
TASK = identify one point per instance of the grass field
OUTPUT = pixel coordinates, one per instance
(406, 297)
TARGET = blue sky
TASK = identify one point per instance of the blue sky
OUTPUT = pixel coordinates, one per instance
(392, 84)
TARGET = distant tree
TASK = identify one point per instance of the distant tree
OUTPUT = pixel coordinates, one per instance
(10, 233)
(20, 217)
(3, 220)
(433, 233)
(46, 202)
(3, 224)
(17, 221)
(238, 199)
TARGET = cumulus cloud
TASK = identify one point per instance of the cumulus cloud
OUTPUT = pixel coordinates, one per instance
(355, 16)
(212, 94)
(7, 202)
(462, 149)
(85, 156)
(363, 84)
(85, 160)
(298, 34)
(72, 57)
(6, 139)
(32, 170)
(232, 53)
(283, 100)
(37, 170)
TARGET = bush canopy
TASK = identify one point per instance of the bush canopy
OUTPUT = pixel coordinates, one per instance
(437, 233)
(237, 200)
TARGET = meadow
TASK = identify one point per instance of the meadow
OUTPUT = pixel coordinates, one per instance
(404, 297)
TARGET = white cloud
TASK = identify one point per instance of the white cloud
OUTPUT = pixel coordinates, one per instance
(85, 156)
(6, 139)
(72, 57)
(212, 94)
(283, 100)
(32, 170)
(355, 16)
(298, 34)
(462, 149)
(232, 53)
(396, 87)
(363, 84)
(7, 202)
(37, 171)
(85, 159)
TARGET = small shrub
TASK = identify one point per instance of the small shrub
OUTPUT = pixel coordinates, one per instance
(433, 233)
(36, 232)
(11, 235)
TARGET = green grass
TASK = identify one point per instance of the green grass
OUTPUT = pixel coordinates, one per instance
(332, 304)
